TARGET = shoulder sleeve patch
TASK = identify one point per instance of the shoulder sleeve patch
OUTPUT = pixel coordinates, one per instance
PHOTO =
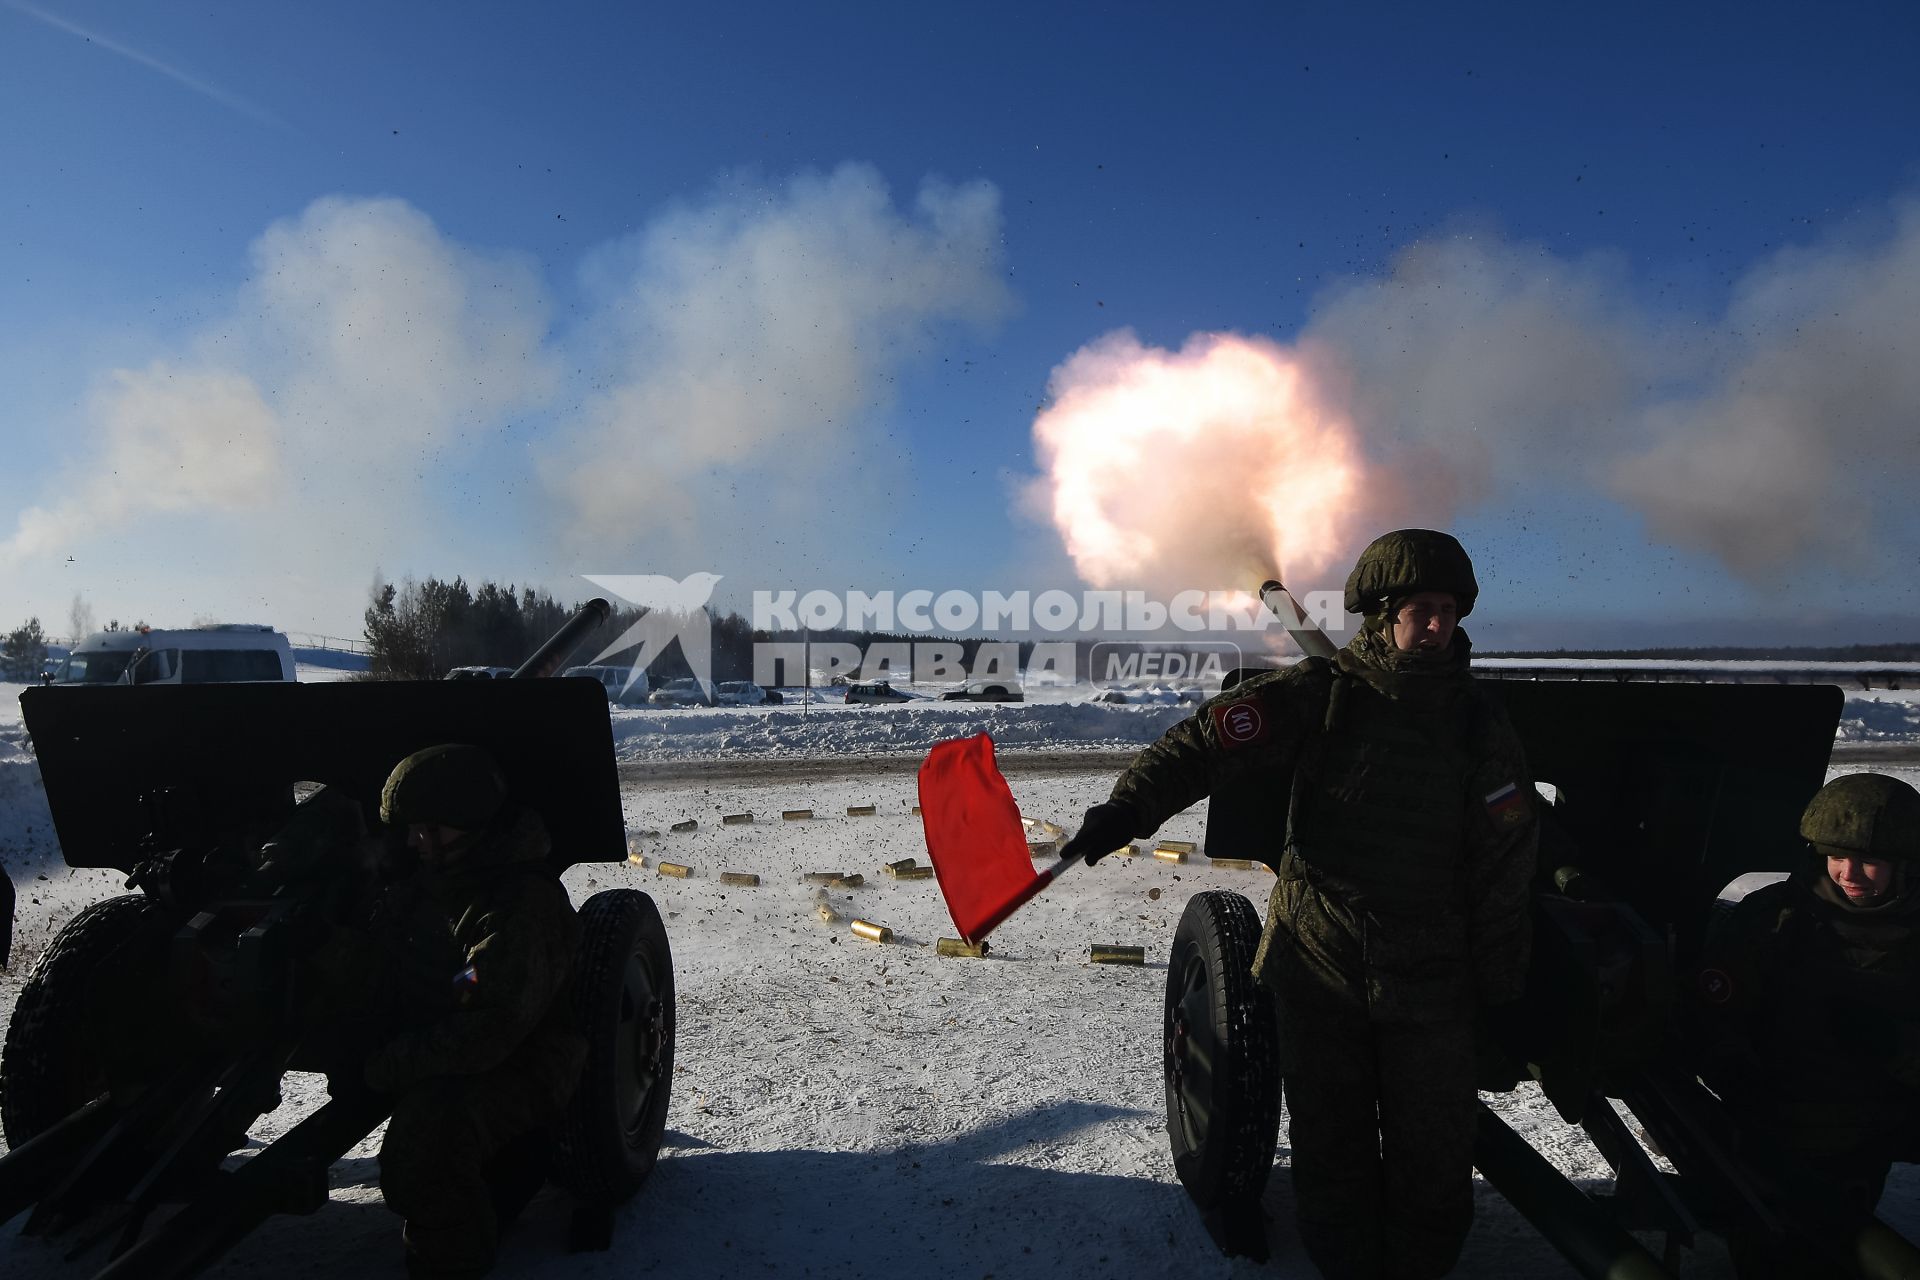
(1241, 724)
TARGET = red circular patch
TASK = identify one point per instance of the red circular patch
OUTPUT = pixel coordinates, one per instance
(1241, 722)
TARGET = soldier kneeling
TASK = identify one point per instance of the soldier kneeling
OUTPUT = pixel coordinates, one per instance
(479, 1086)
(1811, 1034)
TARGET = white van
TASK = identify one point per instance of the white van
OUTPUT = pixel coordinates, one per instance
(217, 654)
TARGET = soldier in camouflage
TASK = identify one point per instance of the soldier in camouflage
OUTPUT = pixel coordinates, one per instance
(1809, 1014)
(1401, 904)
(500, 1061)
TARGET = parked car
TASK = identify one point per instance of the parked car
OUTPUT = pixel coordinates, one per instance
(479, 673)
(986, 691)
(216, 654)
(743, 693)
(878, 691)
(620, 683)
(682, 692)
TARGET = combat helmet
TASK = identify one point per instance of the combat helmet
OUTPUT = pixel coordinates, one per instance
(451, 785)
(1864, 815)
(1408, 561)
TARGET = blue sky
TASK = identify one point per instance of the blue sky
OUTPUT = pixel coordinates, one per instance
(294, 294)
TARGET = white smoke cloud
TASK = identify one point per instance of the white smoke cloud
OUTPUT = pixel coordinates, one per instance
(362, 346)
(754, 332)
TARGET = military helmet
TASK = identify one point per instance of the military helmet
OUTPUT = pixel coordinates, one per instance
(1864, 815)
(451, 785)
(1407, 561)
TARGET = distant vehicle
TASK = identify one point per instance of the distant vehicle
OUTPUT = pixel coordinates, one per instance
(615, 681)
(986, 691)
(743, 693)
(218, 654)
(479, 673)
(682, 692)
(878, 691)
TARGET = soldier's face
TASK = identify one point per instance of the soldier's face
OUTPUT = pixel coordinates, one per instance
(1861, 879)
(432, 842)
(1425, 621)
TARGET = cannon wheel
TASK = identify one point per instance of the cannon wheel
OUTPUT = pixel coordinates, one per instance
(1222, 1062)
(623, 999)
(47, 1069)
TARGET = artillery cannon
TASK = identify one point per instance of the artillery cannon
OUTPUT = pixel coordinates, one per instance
(1661, 796)
(157, 1026)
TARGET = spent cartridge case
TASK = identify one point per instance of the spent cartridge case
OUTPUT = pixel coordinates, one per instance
(853, 881)
(823, 877)
(1043, 848)
(916, 811)
(1128, 850)
(1233, 864)
(861, 810)
(872, 932)
(1178, 846)
(1170, 855)
(827, 913)
(735, 819)
(960, 947)
(637, 859)
(689, 825)
(905, 864)
(914, 873)
(746, 879)
(1104, 954)
(795, 815)
(677, 870)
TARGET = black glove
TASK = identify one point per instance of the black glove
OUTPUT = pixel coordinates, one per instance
(1105, 828)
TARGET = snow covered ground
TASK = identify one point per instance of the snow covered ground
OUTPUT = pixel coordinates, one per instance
(846, 1108)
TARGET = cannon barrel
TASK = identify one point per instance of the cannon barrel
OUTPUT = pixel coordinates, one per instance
(553, 655)
(1280, 602)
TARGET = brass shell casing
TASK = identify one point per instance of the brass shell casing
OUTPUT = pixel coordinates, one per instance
(1233, 864)
(861, 810)
(637, 859)
(1178, 846)
(853, 881)
(827, 913)
(735, 819)
(913, 873)
(746, 879)
(1042, 848)
(916, 811)
(960, 947)
(872, 932)
(1128, 850)
(904, 864)
(795, 815)
(1170, 855)
(1104, 954)
(675, 869)
(823, 877)
(690, 824)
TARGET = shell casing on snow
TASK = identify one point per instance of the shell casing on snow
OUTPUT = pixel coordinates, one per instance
(735, 819)
(1128, 850)
(795, 815)
(1042, 848)
(916, 811)
(862, 810)
(690, 824)
(960, 947)
(872, 932)
(746, 879)
(823, 877)
(1233, 864)
(827, 913)
(636, 836)
(637, 859)
(1104, 954)
(1178, 846)
(1170, 855)
(904, 864)
(911, 871)
(853, 881)
(677, 870)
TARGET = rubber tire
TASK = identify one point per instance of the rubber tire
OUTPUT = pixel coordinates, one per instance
(45, 1074)
(623, 1001)
(1223, 1124)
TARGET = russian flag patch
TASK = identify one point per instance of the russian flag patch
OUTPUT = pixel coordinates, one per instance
(1506, 804)
(466, 981)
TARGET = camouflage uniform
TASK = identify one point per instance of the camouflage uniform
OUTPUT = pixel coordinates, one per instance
(499, 1065)
(1402, 903)
(1809, 1024)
